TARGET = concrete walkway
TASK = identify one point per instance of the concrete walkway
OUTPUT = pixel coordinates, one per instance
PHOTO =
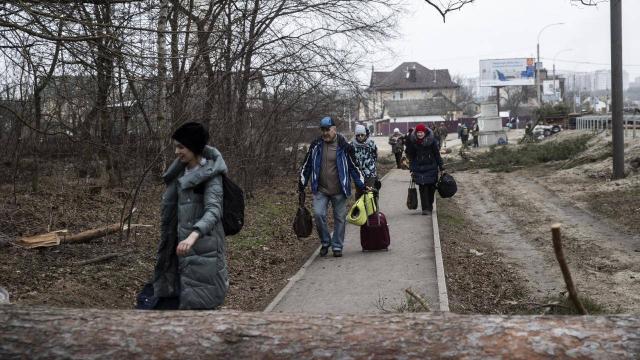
(360, 281)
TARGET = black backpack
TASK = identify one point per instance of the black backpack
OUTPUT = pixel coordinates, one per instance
(446, 186)
(233, 207)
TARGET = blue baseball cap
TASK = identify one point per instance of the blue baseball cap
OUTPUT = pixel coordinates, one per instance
(327, 121)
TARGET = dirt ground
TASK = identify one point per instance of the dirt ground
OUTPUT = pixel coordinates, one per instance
(510, 214)
(261, 258)
(478, 280)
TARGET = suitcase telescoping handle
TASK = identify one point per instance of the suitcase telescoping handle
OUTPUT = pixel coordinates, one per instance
(377, 215)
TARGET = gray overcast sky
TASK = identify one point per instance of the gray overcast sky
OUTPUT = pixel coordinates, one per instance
(489, 29)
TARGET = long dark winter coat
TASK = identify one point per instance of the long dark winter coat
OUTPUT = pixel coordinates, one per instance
(425, 158)
(193, 202)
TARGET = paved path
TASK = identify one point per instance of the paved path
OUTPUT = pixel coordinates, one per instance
(359, 281)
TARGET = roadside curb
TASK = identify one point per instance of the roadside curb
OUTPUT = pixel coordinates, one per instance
(443, 298)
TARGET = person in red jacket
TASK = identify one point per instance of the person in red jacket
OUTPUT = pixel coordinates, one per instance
(424, 156)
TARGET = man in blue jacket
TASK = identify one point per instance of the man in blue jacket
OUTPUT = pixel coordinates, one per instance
(329, 164)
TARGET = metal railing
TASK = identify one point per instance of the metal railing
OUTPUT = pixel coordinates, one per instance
(600, 123)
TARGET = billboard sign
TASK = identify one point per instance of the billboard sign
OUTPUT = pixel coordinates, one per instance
(507, 72)
(549, 87)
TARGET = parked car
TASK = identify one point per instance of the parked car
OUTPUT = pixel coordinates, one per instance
(546, 130)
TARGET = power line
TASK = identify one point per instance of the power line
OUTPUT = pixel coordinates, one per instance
(587, 62)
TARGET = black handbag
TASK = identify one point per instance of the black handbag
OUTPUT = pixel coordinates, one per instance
(412, 196)
(446, 186)
(302, 224)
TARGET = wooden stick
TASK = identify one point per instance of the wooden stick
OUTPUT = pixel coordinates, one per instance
(538, 306)
(102, 258)
(557, 247)
(95, 233)
(419, 299)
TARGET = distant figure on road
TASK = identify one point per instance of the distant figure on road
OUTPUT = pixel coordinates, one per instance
(459, 131)
(435, 130)
(464, 135)
(328, 164)
(366, 153)
(396, 140)
(442, 129)
(406, 138)
(191, 265)
(475, 132)
(422, 151)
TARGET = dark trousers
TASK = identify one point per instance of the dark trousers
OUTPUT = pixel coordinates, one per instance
(475, 141)
(426, 196)
(398, 159)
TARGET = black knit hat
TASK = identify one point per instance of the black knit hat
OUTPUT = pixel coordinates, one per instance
(193, 136)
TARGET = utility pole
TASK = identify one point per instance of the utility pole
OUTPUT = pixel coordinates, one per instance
(574, 92)
(538, 97)
(617, 126)
(538, 62)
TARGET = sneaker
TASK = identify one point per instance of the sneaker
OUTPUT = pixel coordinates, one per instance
(323, 251)
(337, 253)
(426, 212)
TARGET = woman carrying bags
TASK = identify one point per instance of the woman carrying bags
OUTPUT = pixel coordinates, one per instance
(424, 156)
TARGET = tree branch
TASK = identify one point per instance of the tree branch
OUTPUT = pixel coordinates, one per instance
(451, 5)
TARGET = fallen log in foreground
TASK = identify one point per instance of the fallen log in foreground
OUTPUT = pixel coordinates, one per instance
(38, 332)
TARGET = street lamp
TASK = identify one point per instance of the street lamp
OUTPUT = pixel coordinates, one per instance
(554, 69)
(538, 62)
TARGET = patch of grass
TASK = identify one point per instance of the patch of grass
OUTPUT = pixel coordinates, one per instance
(506, 159)
(264, 221)
(407, 305)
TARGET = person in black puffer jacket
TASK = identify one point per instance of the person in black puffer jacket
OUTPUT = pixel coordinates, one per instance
(422, 151)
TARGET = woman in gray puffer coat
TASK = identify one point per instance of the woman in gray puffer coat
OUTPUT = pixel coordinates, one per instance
(191, 261)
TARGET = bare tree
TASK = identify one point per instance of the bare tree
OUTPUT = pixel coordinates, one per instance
(466, 96)
(512, 97)
(128, 72)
